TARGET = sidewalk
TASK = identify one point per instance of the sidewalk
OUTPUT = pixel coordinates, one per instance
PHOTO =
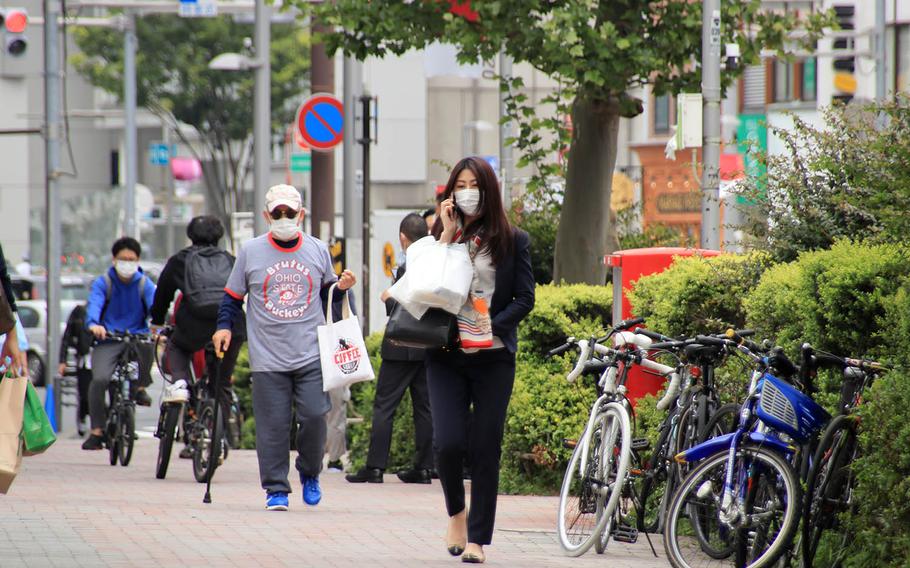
(70, 508)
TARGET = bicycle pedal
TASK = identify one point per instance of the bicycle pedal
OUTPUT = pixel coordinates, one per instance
(569, 443)
(640, 444)
(625, 533)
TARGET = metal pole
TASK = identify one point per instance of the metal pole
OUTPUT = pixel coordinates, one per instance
(262, 113)
(168, 190)
(129, 125)
(322, 176)
(881, 86)
(53, 128)
(352, 214)
(710, 86)
(365, 101)
(505, 131)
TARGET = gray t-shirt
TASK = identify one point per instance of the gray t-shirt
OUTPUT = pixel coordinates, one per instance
(283, 303)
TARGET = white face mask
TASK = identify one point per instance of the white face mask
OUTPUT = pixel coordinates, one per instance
(468, 200)
(284, 229)
(126, 268)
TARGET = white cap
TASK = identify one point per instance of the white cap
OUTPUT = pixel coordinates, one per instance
(282, 194)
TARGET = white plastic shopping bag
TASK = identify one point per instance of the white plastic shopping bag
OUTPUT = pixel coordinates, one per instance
(342, 351)
(438, 276)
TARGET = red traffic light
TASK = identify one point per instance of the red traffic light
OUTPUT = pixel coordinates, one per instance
(15, 20)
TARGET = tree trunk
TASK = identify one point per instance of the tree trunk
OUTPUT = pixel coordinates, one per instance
(586, 228)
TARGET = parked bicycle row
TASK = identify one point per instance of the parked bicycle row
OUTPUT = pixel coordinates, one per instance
(723, 483)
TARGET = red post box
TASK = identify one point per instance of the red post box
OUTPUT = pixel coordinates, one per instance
(628, 266)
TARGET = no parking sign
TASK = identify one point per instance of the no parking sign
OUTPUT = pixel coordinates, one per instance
(320, 121)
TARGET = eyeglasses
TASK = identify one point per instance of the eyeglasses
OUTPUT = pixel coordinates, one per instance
(286, 213)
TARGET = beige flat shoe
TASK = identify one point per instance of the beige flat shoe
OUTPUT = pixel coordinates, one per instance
(474, 558)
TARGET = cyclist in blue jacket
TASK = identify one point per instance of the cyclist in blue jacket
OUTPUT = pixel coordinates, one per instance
(119, 301)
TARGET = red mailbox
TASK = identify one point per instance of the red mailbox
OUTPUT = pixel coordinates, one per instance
(628, 266)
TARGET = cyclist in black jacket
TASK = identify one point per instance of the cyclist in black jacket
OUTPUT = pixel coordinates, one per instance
(192, 332)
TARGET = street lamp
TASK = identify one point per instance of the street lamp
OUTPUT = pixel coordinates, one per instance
(262, 105)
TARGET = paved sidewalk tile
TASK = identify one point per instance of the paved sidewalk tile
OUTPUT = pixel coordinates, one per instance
(69, 508)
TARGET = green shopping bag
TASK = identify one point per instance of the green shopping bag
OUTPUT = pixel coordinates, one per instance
(37, 432)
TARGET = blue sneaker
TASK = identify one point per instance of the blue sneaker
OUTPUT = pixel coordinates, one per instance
(312, 493)
(277, 501)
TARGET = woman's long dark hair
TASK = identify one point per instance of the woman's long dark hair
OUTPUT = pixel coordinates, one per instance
(491, 222)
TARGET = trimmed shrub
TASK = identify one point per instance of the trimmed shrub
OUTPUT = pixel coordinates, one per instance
(698, 294)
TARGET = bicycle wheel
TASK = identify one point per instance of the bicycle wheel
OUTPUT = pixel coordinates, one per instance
(167, 431)
(208, 448)
(765, 490)
(127, 434)
(111, 433)
(616, 452)
(581, 498)
(724, 420)
(828, 494)
(656, 483)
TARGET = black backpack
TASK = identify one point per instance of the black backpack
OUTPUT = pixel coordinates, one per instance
(206, 274)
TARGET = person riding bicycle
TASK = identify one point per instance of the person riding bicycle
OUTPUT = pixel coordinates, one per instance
(199, 272)
(119, 301)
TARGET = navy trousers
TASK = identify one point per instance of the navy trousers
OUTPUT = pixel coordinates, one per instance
(474, 387)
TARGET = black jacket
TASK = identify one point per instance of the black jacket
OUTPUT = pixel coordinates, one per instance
(193, 333)
(389, 351)
(513, 297)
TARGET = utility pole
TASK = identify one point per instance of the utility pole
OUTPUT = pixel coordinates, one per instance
(129, 125)
(52, 128)
(881, 86)
(353, 217)
(322, 176)
(505, 132)
(262, 112)
(710, 87)
(365, 141)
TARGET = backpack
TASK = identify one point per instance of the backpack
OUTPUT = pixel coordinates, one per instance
(204, 278)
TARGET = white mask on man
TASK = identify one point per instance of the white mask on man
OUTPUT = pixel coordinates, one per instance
(468, 201)
(126, 268)
(284, 229)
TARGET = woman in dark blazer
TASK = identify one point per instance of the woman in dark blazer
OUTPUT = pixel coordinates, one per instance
(474, 385)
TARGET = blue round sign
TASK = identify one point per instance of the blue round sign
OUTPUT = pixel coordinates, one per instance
(321, 122)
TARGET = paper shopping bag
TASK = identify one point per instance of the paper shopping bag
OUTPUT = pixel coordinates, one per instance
(342, 351)
(37, 432)
(12, 402)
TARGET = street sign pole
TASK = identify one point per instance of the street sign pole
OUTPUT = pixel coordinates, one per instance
(129, 136)
(365, 141)
(52, 192)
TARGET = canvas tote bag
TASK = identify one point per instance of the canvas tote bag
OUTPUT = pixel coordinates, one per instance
(342, 351)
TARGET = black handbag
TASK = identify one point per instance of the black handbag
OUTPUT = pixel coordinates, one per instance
(7, 318)
(436, 329)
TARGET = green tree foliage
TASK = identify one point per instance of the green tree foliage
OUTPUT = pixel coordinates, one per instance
(849, 178)
(174, 81)
(598, 50)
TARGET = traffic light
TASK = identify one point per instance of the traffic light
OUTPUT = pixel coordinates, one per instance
(14, 21)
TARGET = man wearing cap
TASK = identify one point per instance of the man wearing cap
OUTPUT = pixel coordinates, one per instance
(285, 276)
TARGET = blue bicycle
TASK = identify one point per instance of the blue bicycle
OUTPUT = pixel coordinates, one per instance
(743, 497)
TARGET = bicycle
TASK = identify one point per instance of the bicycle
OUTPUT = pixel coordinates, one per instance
(192, 421)
(120, 423)
(830, 481)
(600, 462)
(744, 496)
(695, 414)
